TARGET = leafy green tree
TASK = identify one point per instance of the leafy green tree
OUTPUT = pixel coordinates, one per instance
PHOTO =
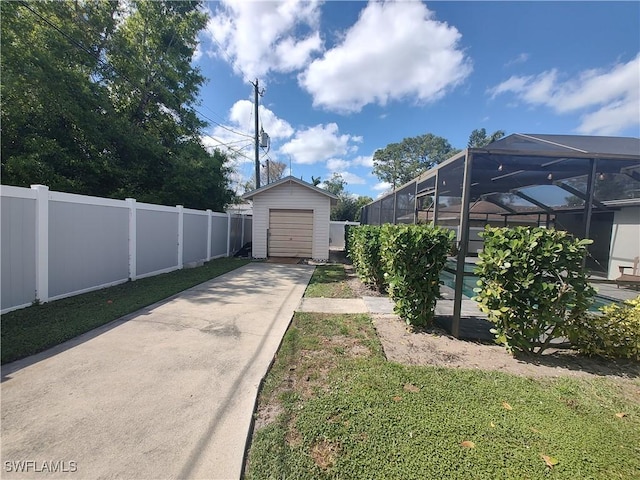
(335, 184)
(399, 163)
(154, 86)
(479, 138)
(348, 207)
(57, 124)
(276, 172)
(196, 180)
(361, 202)
(99, 98)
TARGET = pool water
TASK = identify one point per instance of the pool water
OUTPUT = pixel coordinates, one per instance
(469, 283)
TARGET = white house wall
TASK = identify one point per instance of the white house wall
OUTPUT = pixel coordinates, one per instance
(290, 195)
(625, 239)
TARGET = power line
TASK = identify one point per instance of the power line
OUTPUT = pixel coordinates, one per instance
(245, 77)
(228, 143)
(237, 152)
(228, 128)
(78, 45)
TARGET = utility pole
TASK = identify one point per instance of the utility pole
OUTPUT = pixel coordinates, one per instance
(265, 142)
(256, 94)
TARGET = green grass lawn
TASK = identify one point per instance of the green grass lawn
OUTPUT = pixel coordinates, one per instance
(36, 328)
(348, 413)
(329, 281)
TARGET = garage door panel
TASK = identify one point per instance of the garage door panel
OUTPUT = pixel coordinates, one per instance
(292, 216)
(288, 244)
(291, 227)
(289, 253)
(292, 222)
(292, 237)
(290, 233)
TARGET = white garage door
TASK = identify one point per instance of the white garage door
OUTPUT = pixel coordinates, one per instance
(290, 233)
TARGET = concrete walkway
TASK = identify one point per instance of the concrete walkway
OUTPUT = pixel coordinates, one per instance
(166, 393)
(333, 305)
(372, 305)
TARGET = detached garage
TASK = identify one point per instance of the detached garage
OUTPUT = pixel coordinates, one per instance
(291, 219)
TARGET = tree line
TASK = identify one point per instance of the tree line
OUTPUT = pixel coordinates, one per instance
(399, 163)
(100, 98)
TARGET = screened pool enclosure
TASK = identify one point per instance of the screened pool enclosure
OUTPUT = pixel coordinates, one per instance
(582, 184)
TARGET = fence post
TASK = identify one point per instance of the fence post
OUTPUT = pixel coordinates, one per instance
(228, 234)
(208, 234)
(42, 242)
(242, 237)
(180, 235)
(133, 226)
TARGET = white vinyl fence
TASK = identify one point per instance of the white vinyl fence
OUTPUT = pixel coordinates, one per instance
(336, 234)
(55, 245)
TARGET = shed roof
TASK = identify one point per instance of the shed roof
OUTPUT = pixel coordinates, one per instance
(290, 179)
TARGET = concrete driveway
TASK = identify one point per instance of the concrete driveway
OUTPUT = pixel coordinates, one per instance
(167, 392)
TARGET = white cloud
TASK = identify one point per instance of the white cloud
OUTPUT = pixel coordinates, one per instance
(352, 179)
(512, 84)
(394, 51)
(197, 53)
(336, 164)
(340, 165)
(363, 160)
(236, 137)
(239, 149)
(317, 144)
(293, 55)
(240, 155)
(258, 37)
(241, 113)
(382, 186)
(608, 100)
(521, 58)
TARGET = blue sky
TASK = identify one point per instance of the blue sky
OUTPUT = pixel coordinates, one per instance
(344, 79)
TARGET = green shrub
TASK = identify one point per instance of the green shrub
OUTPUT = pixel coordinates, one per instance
(347, 239)
(413, 257)
(364, 251)
(532, 284)
(614, 334)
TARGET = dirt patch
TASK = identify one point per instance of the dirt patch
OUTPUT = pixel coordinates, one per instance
(436, 347)
(324, 454)
(266, 414)
(349, 346)
(358, 288)
(293, 437)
